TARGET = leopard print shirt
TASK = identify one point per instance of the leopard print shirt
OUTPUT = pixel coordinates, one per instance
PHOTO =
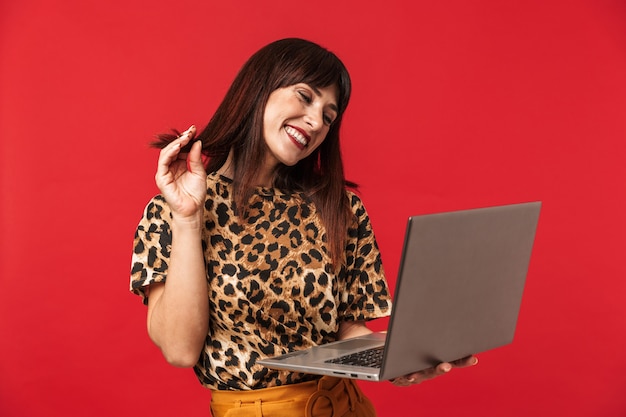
(270, 287)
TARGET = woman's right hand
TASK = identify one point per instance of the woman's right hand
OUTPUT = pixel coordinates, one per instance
(181, 177)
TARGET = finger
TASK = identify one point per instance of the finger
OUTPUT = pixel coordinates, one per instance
(186, 136)
(182, 139)
(421, 376)
(465, 362)
(401, 382)
(167, 155)
(443, 368)
(190, 132)
(194, 159)
(172, 150)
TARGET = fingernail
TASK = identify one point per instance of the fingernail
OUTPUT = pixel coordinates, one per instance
(447, 367)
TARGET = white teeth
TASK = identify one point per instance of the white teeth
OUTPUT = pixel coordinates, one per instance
(296, 135)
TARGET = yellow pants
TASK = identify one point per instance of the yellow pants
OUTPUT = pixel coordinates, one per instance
(328, 397)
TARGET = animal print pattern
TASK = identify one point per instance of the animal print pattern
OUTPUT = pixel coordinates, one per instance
(270, 285)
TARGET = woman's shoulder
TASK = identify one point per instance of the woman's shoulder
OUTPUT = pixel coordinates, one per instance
(356, 203)
(157, 208)
(352, 195)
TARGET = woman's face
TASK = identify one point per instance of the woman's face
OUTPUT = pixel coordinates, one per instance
(296, 121)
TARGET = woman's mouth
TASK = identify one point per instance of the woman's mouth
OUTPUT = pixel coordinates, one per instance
(298, 136)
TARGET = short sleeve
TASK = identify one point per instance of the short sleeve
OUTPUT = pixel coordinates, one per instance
(366, 295)
(151, 247)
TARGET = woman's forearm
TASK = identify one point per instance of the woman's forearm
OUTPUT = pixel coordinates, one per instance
(350, 329)
(178, 312)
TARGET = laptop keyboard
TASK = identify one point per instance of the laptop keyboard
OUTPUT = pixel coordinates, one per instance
(371, 358)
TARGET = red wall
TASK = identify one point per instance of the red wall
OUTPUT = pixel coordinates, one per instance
(456, 104)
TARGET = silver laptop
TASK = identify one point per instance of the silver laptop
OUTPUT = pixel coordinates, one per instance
(458, 292)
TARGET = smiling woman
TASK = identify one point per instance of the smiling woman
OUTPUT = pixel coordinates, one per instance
(296, 122)
(271, 234)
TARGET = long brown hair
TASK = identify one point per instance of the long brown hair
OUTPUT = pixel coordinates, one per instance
(238, 125)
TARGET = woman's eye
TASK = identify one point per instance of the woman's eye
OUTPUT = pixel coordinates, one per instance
(305, 97)
(327, 119)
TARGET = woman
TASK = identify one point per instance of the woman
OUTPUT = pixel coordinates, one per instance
(269, 252)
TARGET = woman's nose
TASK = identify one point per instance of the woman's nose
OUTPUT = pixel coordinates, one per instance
(314, 119)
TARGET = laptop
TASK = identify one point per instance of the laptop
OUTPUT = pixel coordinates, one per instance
(458, 292)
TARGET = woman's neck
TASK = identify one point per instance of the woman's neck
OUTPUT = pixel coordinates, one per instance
(227, 169)
(264, 176)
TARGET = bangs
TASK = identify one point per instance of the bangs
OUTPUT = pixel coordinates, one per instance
(316, 67)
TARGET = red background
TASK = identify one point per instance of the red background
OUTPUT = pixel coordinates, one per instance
(456, 104)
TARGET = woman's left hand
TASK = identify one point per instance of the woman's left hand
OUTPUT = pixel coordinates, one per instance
(441, 369)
